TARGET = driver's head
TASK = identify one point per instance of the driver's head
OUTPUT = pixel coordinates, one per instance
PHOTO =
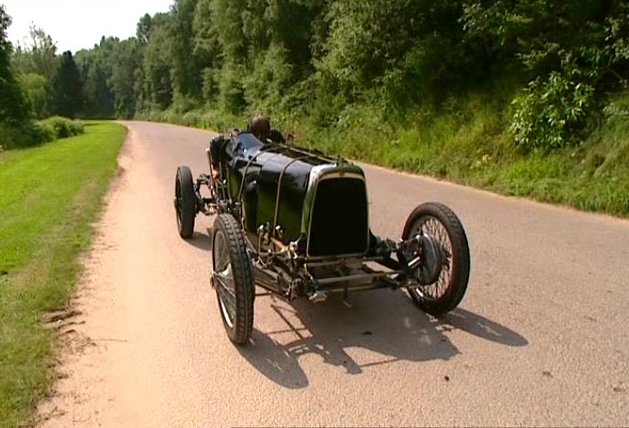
(260, 126)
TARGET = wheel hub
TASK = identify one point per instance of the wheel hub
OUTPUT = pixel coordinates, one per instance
(432, 260)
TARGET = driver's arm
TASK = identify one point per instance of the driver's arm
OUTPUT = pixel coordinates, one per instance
(276, 136)
(217, 145)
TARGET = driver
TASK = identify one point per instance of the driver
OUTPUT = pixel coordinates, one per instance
(260, 126)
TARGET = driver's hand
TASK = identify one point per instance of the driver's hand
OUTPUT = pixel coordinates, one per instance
(215, 174)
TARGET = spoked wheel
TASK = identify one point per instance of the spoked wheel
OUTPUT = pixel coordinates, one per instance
(444, 270)
(185, 202)
(232, 277)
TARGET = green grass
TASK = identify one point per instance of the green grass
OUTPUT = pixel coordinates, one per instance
(50, 197)
(467, 142)
(469, 145)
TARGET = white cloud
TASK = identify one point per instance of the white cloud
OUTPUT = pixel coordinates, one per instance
(79, 24)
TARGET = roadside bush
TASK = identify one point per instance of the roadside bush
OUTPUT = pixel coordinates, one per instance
(31, 133)
(43, 132)
(26, 134)
(63, 127)
(549, 112)
(76, 128)
(212, 120)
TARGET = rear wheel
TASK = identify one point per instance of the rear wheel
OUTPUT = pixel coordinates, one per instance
(185, 202)
(232, 278)
(445, 258)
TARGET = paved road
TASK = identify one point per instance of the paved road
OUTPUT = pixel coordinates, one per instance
(541, 337)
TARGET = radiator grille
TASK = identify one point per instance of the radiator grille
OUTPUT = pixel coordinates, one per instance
(339, 222)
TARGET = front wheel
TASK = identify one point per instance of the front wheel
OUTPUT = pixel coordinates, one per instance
(232, 278)
(444, 270)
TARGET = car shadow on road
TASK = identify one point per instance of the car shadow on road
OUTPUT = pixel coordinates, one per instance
(202, 241)
(477, 325)
(386, 324)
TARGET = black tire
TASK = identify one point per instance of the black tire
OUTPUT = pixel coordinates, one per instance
(232, 276)
(446, 229)
(185, 202)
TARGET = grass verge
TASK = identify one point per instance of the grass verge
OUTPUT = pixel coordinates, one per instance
(51, 196)
(467, 143)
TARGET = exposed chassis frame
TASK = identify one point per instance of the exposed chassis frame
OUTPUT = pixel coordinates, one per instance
(280, 270)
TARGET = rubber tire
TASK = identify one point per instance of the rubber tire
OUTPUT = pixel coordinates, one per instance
(186, 208)
(460, 257)
(242, 271)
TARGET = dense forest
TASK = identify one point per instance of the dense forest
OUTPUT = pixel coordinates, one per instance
(485, 77)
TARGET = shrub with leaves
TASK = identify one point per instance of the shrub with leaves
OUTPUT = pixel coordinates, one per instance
(573, 53)
(550, 110)
(62, 127)
(27, 134)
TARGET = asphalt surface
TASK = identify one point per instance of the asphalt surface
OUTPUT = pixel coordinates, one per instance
(541, 337)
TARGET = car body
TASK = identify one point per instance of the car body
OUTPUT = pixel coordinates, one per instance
(296, 223)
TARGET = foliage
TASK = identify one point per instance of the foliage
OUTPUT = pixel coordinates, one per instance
(30, 134)
(144, 29)
(560, 59)
(95, 69)
(39, 57)
(67, 87)
(551, 63)
(37, 64)
(63, 127)
(157, 86)
(13, 104)
(265, 86)
(25, 134)
(548, 112)
(127, 61)
(36, 89)
(573, 53)
(185, 75)
(231, 89)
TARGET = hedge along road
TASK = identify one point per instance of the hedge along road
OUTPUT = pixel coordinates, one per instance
(541, 337)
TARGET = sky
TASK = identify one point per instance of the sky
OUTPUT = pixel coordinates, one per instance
(78, 24)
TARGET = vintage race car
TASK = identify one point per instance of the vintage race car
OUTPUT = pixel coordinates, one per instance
(296, 223)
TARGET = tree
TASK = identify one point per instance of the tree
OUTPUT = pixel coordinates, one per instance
(13, 105)
(412, 45)
(67, 88)
(37, 64)
(157, 66)
(144, 29)
(207, 49)
(43, 53)
(126, 61)
(36, 89)
(186, 72)
(95, 66)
